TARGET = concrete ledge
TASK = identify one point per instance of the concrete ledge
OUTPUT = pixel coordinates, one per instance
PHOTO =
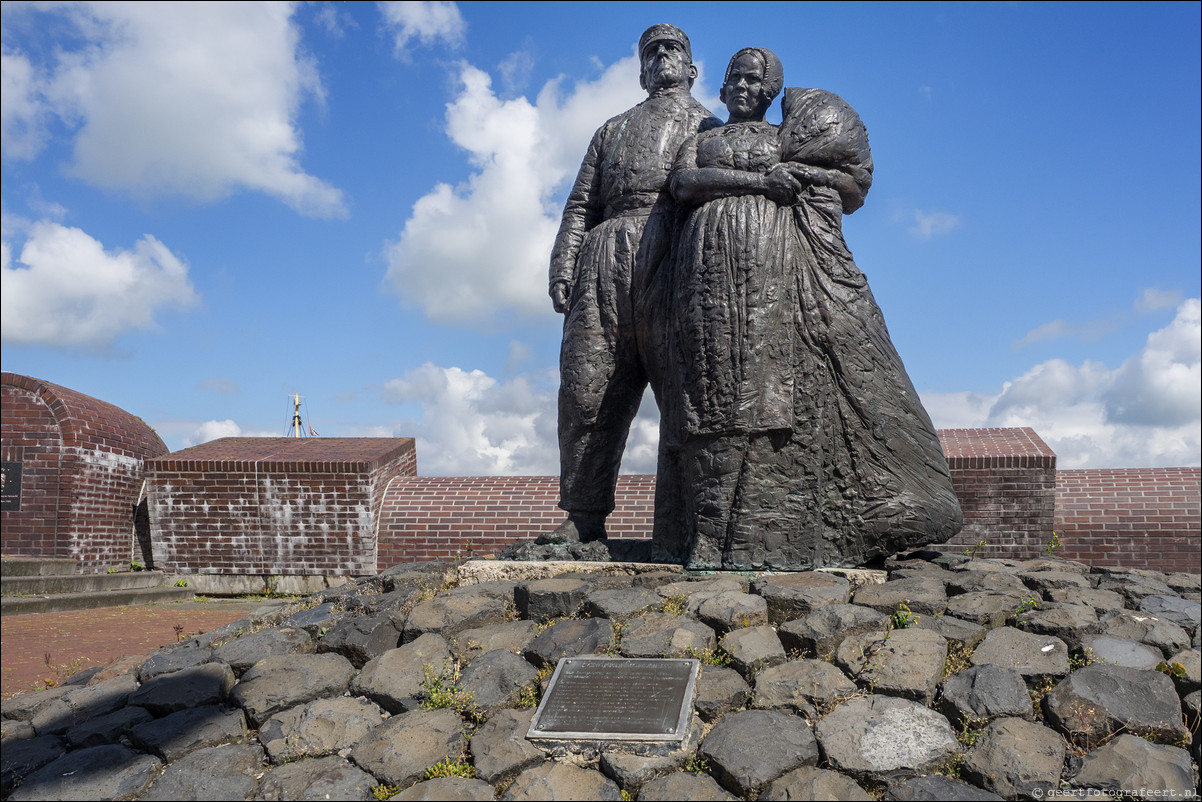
(80, 583)
(38, 566)
(258, 584)
(62, 602)
(473, 572)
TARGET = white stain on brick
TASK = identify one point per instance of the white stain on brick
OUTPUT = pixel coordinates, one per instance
(274, 523)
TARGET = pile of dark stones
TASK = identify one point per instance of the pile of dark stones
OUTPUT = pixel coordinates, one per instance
(939, 677)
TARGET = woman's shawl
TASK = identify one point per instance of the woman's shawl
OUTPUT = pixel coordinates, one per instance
(819, 128)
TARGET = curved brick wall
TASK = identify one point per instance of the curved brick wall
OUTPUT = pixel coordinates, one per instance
(82, 473)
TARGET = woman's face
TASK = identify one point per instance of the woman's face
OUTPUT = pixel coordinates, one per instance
(743, 92)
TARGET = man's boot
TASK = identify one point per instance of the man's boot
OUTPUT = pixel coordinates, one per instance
(580, 527)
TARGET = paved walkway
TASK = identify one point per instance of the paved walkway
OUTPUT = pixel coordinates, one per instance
(42, 647)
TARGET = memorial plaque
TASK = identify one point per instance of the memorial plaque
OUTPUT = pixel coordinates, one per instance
(10, 486)
(604, 698)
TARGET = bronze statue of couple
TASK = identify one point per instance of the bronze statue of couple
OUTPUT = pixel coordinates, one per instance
(707, 260)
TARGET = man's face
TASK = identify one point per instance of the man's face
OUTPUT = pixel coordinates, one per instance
(665, 65)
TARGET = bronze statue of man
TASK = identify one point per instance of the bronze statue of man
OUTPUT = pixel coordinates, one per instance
(616, 229)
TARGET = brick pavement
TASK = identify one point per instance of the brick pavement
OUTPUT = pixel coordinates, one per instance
(41, 646)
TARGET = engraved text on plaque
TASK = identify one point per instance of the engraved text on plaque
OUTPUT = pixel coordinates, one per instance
(617, 699)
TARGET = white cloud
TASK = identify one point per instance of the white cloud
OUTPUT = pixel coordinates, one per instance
(426, 22)
(1053, 384)
(213, 430)
(196, 100)
(1089, 331)
(21, 107)
(642, 444)
(1162, 385)
(65, 289)
(472, 424)
(180, 433)
(1145, 413)
(1153, 299)
(478, 252)
(963, 410)
(933, 224)
(520, 353)
(1047, 331)
(515, 70)
(334, 22)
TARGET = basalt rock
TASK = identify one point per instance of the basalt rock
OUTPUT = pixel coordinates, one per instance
(321, 728)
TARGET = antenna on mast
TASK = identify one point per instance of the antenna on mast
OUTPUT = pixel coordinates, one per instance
(297, 428)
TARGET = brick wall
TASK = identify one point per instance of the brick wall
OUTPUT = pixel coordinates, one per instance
(82, 472)
(1005, 480)
(1133, 517)
(274, 505)
(354, 506)
(1138, 517)
(439, 518)
(33, 439)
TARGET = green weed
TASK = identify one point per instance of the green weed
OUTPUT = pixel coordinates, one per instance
(1174, 670)
(440, 689)
(971, 551)
(676, 604)
(529, 697)
(958, 658)
(903, 617)
(62, 672)
(1023, 610)
(1080, 660)
(709, 657)
(447, 768)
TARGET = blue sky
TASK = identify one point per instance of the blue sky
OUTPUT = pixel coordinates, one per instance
(210, 207)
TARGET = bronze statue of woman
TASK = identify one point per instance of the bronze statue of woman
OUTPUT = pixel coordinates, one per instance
(791, 436)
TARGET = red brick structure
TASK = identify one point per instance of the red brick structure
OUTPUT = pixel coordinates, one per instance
(439, 518)
(274, 505)
(355, 506)
(1006, 482)
(1131, 517)
(80, 465)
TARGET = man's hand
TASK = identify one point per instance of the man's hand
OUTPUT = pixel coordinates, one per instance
(559, 296)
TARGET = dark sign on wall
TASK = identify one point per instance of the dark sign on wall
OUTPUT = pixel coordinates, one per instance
(10, 486)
